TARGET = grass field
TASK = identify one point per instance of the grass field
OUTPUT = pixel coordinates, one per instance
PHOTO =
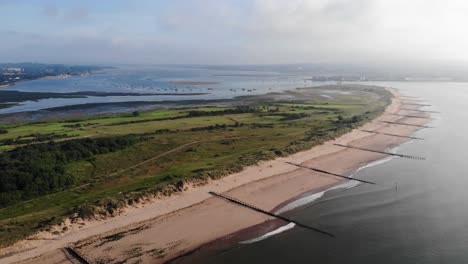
(179, 148)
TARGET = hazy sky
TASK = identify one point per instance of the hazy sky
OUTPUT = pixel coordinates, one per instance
(232, 31)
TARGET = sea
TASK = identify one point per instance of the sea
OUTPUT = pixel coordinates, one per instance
(417, 214)
(217, 83)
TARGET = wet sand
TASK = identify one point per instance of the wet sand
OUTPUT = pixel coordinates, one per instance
(166, 227)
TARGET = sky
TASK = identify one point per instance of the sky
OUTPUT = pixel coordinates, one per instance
(233, 31)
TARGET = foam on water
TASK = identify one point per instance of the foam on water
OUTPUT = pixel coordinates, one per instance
(346, 185)
(374, 163)
(269, 234)
(300, 202)
(315, 196)
(326, 96)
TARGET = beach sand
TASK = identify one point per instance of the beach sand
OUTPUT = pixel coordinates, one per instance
(163, 228)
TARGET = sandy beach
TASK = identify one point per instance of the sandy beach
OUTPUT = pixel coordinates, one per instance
(165, 227)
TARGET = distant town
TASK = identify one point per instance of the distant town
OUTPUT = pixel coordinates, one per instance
(11, 73)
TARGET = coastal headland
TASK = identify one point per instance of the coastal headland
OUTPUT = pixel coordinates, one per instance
(164, 227)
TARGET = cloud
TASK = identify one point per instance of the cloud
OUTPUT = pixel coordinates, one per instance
(241, 31)
(357, 30)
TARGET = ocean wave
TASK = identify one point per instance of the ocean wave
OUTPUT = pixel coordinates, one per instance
(395, 149)
(326, 96)
(345, 185)
(300, 202)
(269, 234)
(373, 164)
(315, 196)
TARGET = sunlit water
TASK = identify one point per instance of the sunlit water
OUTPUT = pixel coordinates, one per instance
(424, 220)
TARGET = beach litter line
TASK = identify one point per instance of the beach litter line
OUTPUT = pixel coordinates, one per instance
(412, 116)
(381, 152)
(393, 135)
(417, 110)
(404, 124)
(244, 204)
(330, 173)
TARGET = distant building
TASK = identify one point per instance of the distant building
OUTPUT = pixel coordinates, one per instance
(11, 69)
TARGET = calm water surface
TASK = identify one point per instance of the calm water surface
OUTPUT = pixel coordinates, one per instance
(157, 80)
(424, 221)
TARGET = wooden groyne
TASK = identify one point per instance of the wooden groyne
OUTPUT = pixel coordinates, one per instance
(393, 135)
(404, 124)
(70, 257)
(407, 96)
(246, 205)
(330, 173)
(74, 256)
(412, 116)
(417, 110)
(381, 152)
(412, 100)
(417, 104)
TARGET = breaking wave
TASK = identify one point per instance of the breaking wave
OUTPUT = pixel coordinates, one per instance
(315, 196)
(269, 234)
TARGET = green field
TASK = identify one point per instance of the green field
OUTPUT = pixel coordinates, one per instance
(168, 147)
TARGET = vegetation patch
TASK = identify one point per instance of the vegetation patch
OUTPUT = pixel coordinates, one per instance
(38, 169)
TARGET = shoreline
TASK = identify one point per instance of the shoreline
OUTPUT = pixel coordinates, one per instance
(272, 182)
(229, 241)
(276, 227)
(52, 77)
(259, 232)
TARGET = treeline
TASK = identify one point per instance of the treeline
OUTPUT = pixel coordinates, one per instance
(352, 120)
(146, 120)
(194, 113)
(237, 110)
(34, 170)
(32, 138)
(293, 116)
